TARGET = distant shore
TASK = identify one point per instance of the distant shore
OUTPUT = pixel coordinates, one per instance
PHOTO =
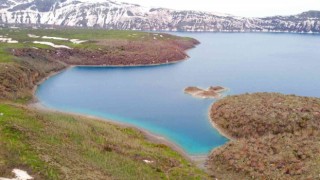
(34, 90)
(134, 65)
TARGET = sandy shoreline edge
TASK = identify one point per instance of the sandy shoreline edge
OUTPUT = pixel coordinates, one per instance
(199, 160)
(222, 131)
(152, 137)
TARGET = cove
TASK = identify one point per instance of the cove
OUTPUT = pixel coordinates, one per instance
(152, 98)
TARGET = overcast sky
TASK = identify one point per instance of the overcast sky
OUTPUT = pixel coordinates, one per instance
(249, 8)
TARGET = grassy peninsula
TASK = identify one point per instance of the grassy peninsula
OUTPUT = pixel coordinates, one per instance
(276, 137)
(33, 55)
(51, 145)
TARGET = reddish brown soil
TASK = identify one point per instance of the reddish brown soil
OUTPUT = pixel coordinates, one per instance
(127, 54)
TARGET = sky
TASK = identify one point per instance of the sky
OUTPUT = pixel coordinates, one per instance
(247, 8)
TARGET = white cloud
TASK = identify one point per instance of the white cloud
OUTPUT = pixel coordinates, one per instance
(249, 8)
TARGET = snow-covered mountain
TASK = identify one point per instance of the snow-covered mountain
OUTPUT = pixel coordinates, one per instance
(113, 15)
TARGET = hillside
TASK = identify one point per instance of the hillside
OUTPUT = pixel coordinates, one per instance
(277, 136)
(124, 16)
(51, 145)
(57, 146)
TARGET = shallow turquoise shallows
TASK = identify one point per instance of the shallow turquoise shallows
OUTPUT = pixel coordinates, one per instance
(152, 98)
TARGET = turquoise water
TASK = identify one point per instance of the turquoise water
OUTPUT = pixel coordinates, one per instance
(152, 97)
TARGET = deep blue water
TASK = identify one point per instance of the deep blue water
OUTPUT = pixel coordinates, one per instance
(152, 97)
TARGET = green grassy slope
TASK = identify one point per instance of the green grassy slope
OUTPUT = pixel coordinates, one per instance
(58, 146)
(92, 36)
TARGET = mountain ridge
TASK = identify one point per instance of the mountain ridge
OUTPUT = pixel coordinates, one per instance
(125, 16)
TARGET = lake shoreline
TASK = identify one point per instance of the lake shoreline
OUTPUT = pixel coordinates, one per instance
(35, 103)
(221, 131)
(51, 74)
(199, 160)
(34, 89)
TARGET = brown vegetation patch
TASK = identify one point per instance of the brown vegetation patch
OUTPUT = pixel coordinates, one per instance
(254, 115)
(277, 136)
(123, 53)
(18, 79)
(282, 156)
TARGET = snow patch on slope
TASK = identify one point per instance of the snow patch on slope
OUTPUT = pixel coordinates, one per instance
(51, 44)
(20, 175)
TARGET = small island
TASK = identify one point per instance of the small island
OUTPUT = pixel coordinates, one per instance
(212, 92)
